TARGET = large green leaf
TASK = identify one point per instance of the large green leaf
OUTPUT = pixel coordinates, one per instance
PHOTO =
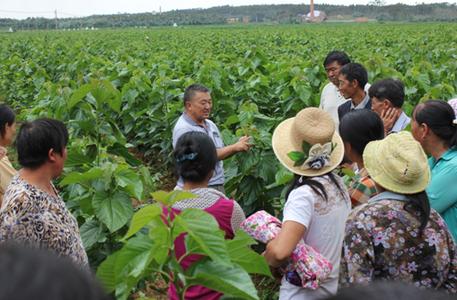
(143, 217)
(241, 254)
(203, 228)
(130, 181)
(172, 197)
(91, 233)
(76, 177)
(106, 272)
(79, 94)
(114, 210)
(228, 279)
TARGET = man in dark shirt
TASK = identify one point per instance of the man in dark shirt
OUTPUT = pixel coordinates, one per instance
(352, 79)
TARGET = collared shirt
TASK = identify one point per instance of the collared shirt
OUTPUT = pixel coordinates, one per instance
(39, 219)
(186, 124)
(361, 188)
(362, 104)
(442, 190)
(401, 123)
(331, 99)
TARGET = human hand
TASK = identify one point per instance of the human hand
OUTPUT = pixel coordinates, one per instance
(389, 116)
(243, 144)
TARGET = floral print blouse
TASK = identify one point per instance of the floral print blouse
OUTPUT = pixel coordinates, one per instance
(29, 215)
(382, 241)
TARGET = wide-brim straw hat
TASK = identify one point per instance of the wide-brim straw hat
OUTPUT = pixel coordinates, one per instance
(314, 126)
(397, 163)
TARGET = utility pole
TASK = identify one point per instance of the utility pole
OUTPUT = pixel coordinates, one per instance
(55, 15)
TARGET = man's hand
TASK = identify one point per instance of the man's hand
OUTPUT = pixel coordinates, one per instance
(243, 144)
(389, 116)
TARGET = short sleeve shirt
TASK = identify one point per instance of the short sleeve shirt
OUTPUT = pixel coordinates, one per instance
(442, 190)
(186, 124)
(29, 215)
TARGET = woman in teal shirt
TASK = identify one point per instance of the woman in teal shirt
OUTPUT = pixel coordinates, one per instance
(435, 127)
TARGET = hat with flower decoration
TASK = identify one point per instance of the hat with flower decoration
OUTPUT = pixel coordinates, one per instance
(308, 144)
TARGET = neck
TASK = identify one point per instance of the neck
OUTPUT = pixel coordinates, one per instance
(358, 97)
(199, 122)
(194, 185)
(437, 149)
(359, 162)
(40, 178)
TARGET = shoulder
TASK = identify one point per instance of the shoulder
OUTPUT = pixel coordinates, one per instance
(328, 88)
(345, 106)
(212, 124)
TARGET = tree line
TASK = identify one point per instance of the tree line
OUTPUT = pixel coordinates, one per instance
(284, 14)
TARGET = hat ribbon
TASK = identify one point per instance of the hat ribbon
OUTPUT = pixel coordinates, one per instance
(313, 157)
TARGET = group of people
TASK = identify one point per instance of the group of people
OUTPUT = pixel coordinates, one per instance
(395, 220)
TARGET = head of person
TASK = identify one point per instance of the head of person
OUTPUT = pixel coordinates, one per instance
(7, 125)
(386, 93)
(333, 63)
(198, 102)
(434, 121)
(42, 142)
(352, 78)
(398, 164)
(195, 156)
(27, 273)
(380, 290)
(358, 128)
(308, 146)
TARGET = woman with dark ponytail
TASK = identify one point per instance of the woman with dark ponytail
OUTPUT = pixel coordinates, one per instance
(196, 157)
(396, 236)
(434, 126)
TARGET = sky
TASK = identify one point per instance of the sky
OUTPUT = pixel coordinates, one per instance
(21, 9)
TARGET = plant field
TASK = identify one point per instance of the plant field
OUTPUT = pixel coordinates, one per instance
(119, 92)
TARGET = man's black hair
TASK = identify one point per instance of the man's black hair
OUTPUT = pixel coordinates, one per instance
(190, 91)
(339, 56)
(355, 71)
(388, 89)
(36, 138)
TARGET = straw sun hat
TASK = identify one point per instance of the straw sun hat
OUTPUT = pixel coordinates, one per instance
(308, 144)
(397, 163)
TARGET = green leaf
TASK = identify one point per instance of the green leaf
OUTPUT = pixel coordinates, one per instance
(296, 155)
(229, 279)
(143, 217)
(203, 228)
(130, 181)
(113, 210)
(306, 147)
(241, 254)
(91, 233)
(106, 272)
(77, 158)
(120, 150)
(172, 197)
(78, 95)
(76, 177)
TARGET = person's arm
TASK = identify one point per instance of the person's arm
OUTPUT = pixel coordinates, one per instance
(240, 146)
(298, 212)
(279, 249)
(442, 191)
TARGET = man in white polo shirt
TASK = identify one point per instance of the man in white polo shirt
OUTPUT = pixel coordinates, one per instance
(197, 105)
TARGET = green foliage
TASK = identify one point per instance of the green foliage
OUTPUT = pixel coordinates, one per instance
(149, 247)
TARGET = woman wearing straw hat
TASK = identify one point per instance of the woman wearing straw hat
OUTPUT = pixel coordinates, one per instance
(396, 236)
(317, 202)
(434, 126)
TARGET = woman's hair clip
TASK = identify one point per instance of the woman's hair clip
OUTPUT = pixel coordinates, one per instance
(184, 157)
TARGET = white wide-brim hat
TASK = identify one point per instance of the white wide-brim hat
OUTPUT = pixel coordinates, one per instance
(313, 126)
